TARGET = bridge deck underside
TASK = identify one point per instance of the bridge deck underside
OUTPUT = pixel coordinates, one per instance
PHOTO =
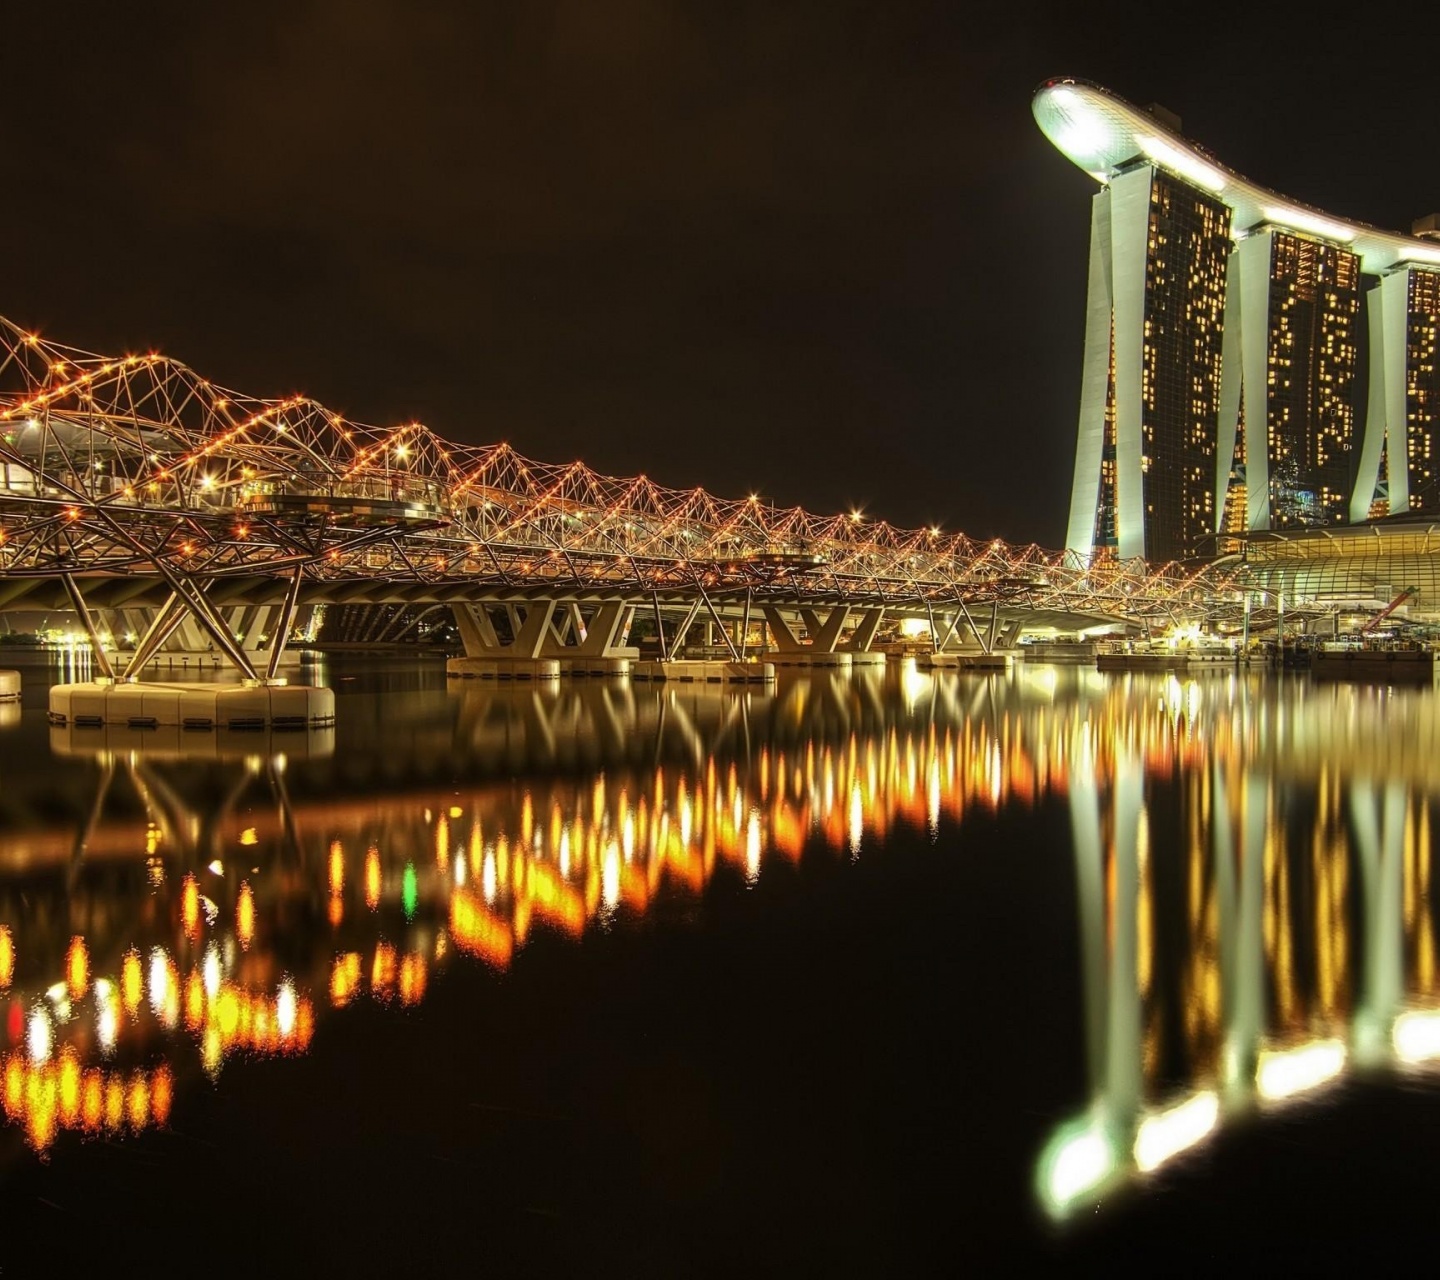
(141, 591)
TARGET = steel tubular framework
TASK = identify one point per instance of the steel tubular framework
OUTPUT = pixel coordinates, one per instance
(137, 467)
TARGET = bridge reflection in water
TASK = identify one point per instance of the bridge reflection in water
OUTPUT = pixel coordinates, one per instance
(1251, 863)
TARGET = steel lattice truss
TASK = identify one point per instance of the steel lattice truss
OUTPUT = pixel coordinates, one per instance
(136, 464)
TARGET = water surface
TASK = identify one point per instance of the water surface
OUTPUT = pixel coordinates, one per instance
(861, 972)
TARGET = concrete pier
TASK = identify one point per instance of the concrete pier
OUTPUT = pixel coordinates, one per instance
(1148, 661)
(596, 667)
(996, 660)
(687, 671)
(9, 686)
(191, 706)
(817, 660)
(1375, 665)
(1081, 652)
(503, 668)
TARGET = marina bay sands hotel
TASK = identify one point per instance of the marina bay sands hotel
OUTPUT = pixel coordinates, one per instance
(1223, 372)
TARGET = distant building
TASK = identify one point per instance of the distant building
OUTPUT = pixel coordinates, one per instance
(1145, 468)
(1400, 464)
(1222, 377)
(1294, 308)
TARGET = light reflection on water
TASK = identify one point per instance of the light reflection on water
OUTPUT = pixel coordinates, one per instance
(1251, 861)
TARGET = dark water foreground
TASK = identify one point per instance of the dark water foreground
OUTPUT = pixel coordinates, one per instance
(861, 975)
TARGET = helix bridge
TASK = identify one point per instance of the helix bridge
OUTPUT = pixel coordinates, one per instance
(133, 483)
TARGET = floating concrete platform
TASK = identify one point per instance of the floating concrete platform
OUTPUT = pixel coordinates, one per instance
(842, 660)
(1081, 652)
(503, 668)
(9, 686)
(1207, 660)
(1000, 660)
(171, 742)
(1376, 666)
(1136, 662)
(191, 706)
(814, 661)
(603, 668)
(693, 672)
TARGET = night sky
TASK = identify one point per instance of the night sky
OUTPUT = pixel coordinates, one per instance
(816, 250)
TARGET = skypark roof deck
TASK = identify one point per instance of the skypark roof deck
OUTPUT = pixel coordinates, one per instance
(1104, 135)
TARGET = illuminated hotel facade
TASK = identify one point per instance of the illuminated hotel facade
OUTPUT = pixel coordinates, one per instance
(1222, 369)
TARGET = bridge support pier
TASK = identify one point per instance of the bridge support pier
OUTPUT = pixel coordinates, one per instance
(191, 706)
(258, 702)
(486, 658)
(820, 650)
(550, 640)
(860, 641)
(595, 647)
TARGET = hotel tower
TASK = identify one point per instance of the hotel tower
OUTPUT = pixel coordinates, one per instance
(1221, 381)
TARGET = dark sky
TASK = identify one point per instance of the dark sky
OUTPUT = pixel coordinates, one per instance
(818, 250)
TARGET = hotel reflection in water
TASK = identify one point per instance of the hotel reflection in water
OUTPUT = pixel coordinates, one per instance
(1273, 932)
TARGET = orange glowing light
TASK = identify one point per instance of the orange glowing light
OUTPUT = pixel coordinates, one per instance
(162, 1091)
(412, 978)
(69, 1086)
(190, 906)
(372, 878)
(130, 984)
(77, 967)
(194, 1001)
(245, 914)
(138, 1103)
(7, 956)
(227, 1013)
(344, 979)
(478, 932)
(91, 1100)
(382, 971)
(14, 1084)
